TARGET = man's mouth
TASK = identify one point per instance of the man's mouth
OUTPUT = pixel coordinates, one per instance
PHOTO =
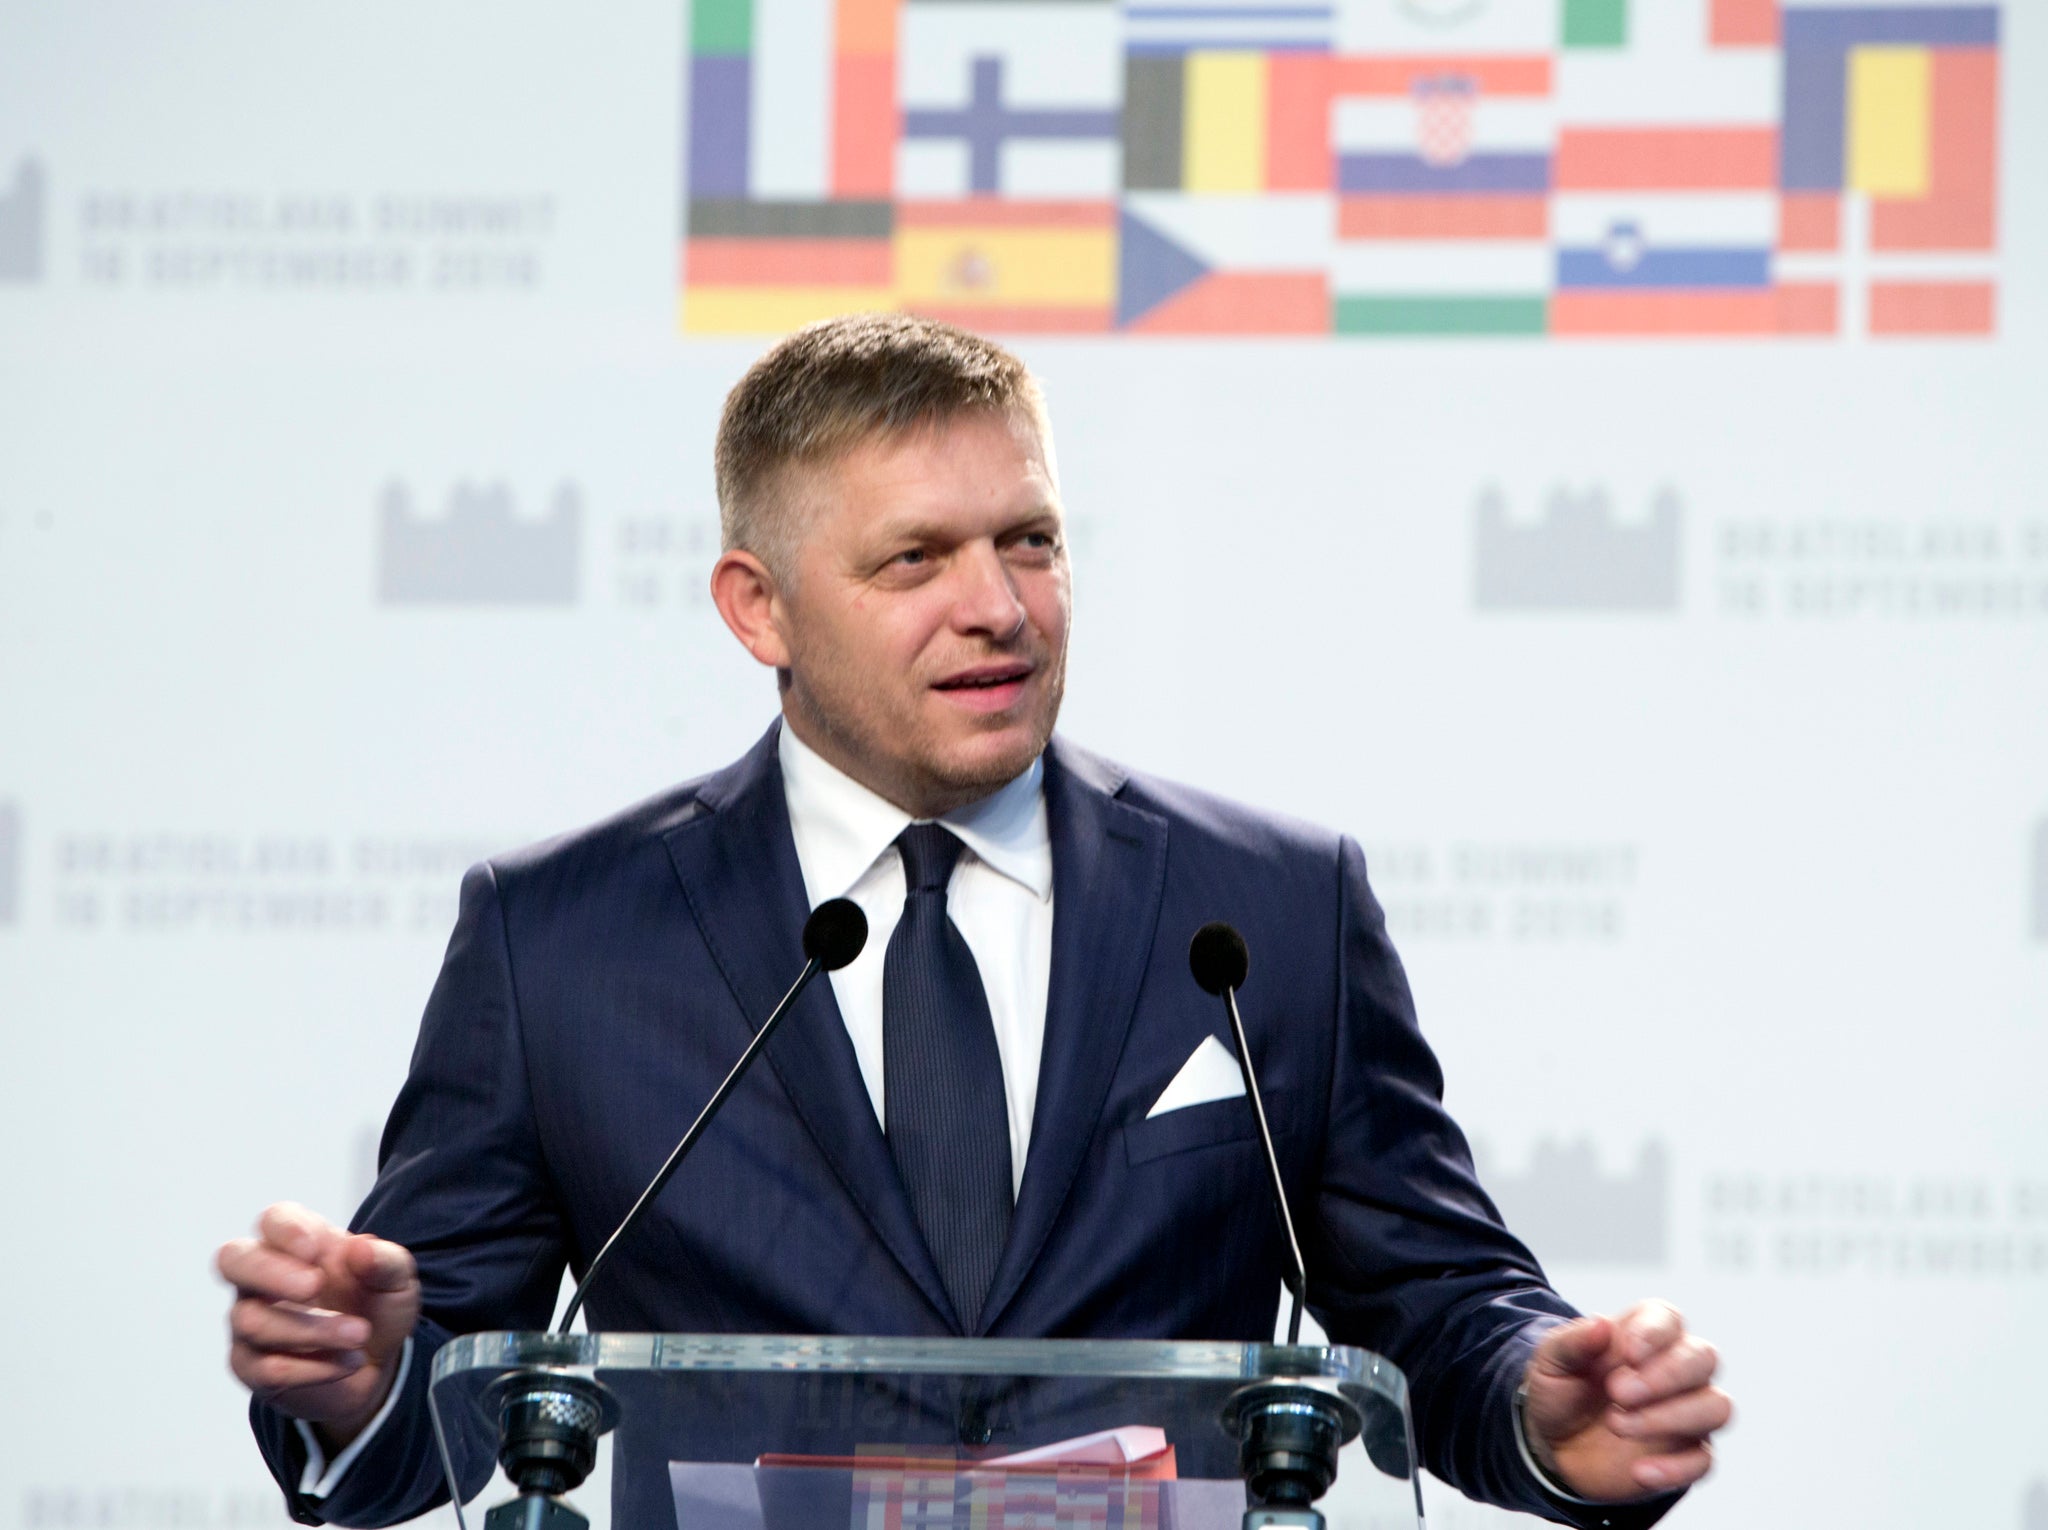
(986, 682)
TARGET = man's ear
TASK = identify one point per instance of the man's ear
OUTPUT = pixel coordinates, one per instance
(747, 597)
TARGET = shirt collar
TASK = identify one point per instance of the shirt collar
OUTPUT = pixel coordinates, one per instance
(846, 826)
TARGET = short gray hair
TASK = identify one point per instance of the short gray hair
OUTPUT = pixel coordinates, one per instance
(834, 385)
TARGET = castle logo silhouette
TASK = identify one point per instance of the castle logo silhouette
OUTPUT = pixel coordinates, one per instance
(479, 553)
(21, 224)
(2041, 889)
(1578, 557)
(10, 863)
(1563, 1207)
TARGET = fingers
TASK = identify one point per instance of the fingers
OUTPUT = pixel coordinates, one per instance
(283, 1260)
(1692, 1416)
(261, 1270)
(299, 1256)
(379, 1265)
(386, 1290)
(1648, 1327)
(291, 1229)
(280, 1345)
(1683, 1366)
(270, 1374)
(1574, 1348)
(318, 1315)
(1674, 1427)
(271, 1327)
(1676, 1469)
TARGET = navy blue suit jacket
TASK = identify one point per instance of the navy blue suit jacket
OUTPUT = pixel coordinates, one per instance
(597, 987)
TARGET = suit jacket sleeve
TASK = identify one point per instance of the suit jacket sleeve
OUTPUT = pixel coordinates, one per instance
(462, 1183)
(1406, 1253)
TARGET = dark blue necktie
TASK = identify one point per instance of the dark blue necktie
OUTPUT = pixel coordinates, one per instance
(946, 1117)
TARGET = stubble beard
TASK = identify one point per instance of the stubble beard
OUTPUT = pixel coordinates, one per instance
(927, 784)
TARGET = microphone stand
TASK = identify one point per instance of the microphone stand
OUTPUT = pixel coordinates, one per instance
(1296, 1275)
(550, 1417)
(711, 1108)
(1288, 1428)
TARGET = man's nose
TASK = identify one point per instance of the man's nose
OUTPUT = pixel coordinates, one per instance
(985, 597)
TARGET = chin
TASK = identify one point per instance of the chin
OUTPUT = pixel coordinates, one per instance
(998, 761)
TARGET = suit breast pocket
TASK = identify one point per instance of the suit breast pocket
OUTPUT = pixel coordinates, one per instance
(1207, 1125)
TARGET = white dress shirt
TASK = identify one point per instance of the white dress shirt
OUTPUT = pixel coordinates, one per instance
(1000, 899)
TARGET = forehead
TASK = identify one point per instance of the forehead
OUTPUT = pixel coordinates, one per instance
(960, 469)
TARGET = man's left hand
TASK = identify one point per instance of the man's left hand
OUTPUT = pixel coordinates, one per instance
(1621, 1408)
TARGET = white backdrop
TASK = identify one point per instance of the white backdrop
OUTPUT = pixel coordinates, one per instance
(1726, 905)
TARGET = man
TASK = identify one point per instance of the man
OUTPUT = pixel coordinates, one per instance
(970, 1131)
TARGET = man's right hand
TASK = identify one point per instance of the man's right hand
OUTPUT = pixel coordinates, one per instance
(320, 1318)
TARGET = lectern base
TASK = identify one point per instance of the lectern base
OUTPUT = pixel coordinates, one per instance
(532, 1511)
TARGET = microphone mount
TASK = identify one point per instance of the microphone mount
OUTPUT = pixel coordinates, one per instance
(1289, 1431)
(549, 1423)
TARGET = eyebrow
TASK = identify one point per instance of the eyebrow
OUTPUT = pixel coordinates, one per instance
(920, 529)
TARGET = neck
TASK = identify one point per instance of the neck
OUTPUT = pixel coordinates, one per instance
(921, 798)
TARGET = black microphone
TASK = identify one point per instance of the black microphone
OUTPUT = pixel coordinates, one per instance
(1219, 959)
(833, 936)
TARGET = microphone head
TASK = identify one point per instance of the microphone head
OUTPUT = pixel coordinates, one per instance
(834, 933)
(1218, 957)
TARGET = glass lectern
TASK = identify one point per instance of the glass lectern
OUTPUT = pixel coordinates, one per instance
(713, 1432)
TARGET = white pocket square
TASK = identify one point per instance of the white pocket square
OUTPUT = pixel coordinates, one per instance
(1210, 1073)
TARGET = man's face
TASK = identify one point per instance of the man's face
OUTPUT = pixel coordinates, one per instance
(925, 611)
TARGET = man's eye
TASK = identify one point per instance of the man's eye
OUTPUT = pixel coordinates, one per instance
(910, 557)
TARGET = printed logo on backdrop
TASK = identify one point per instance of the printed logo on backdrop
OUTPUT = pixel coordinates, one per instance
(478, 551)
(1964, 567)
(1577, 554)
(665, 561)
(1570, 1211)
(1476, 892)
(184, 882)
(1568, 168)
(10, 864)
(313, 240)
(22, 202)
(1840, 1226)
(1585, 547)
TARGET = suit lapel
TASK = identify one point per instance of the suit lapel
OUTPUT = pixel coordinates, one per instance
(1109, 875)
(738, 867)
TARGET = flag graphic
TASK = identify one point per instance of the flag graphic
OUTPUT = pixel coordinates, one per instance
(989, 263)
(1889, 161)
(1577, 169)
(1443, 179)
(1214, 265)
